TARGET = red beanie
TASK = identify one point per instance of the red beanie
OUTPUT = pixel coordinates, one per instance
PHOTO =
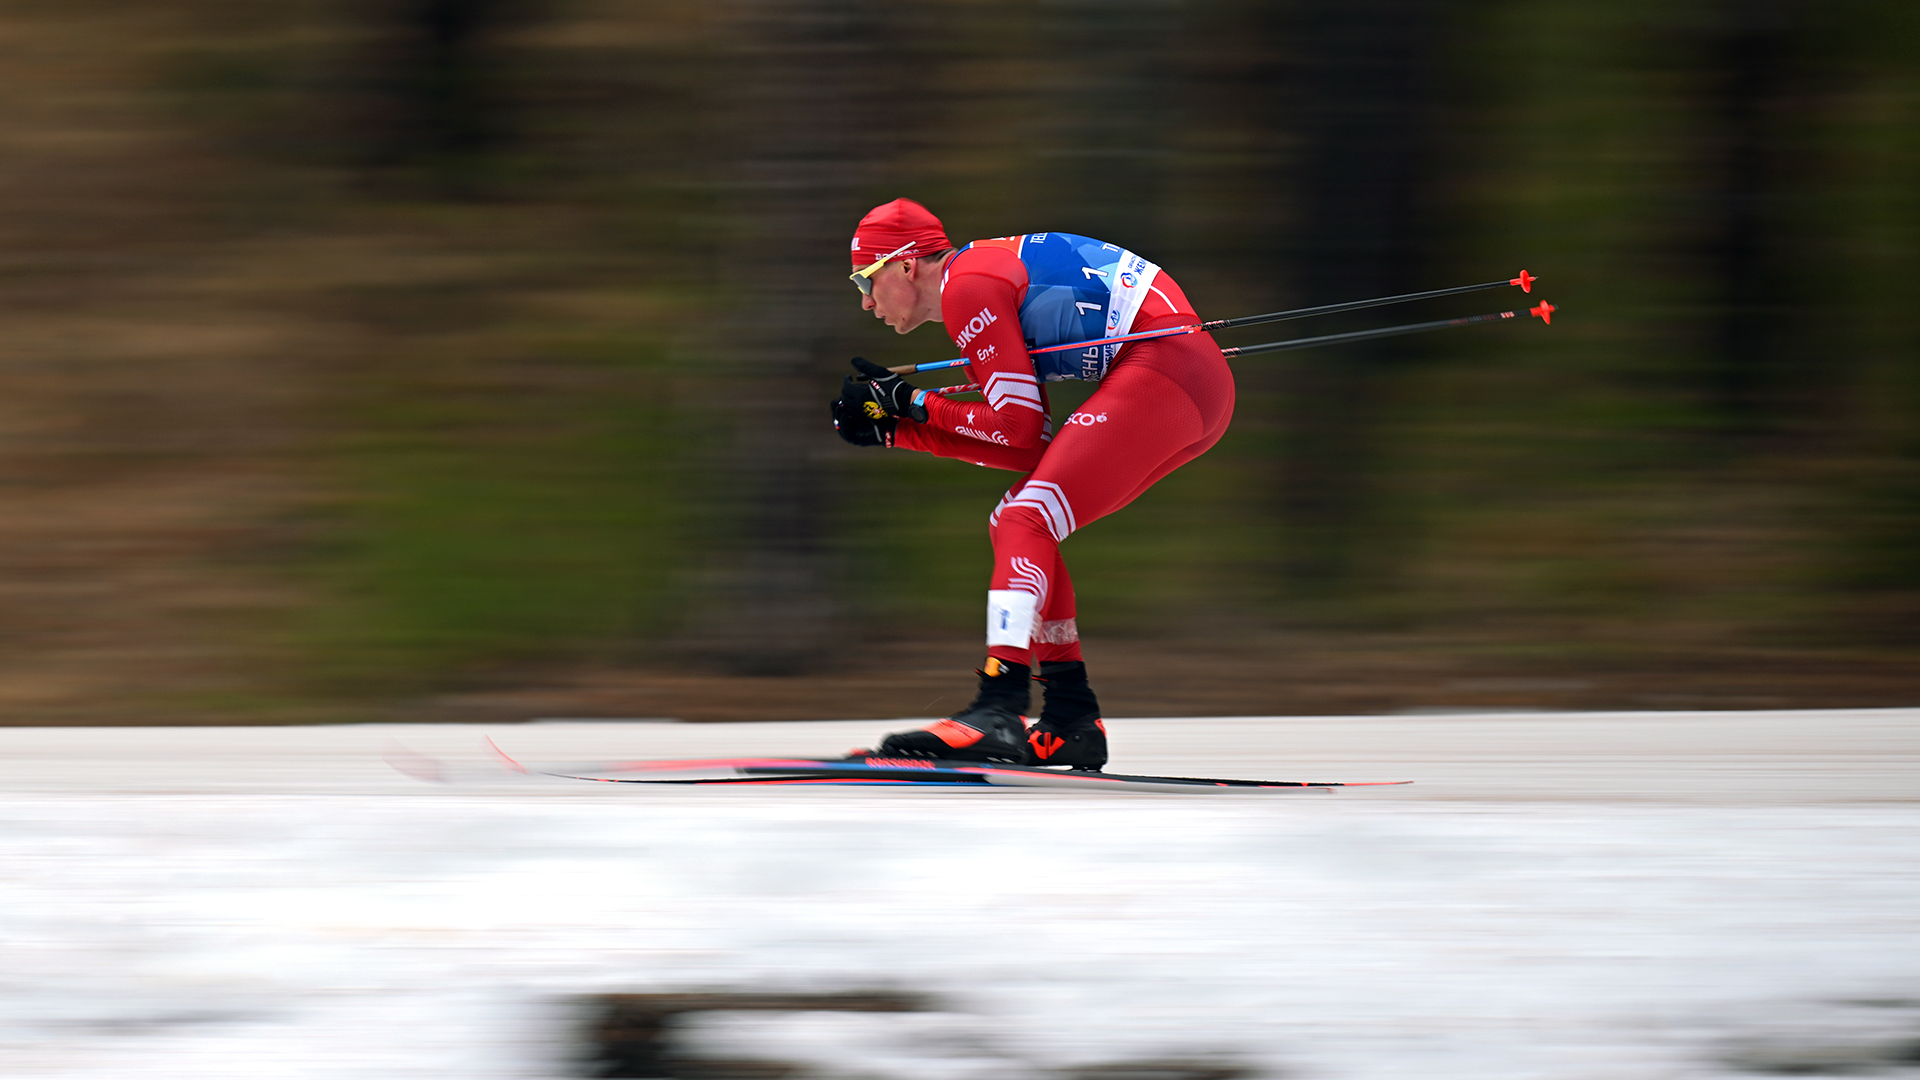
(894, 225)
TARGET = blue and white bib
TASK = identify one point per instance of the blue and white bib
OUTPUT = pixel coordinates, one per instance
(1079, 289)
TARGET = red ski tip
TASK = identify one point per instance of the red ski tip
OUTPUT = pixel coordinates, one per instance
(504, 759)
(1525, 281)
(1544, 311)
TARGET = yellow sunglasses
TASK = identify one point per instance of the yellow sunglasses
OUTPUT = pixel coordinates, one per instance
(863, 278)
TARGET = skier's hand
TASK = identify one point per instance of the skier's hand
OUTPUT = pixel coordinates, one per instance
(894, 395)
(853, 423)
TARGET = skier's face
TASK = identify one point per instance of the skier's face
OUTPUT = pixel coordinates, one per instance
(895, 297)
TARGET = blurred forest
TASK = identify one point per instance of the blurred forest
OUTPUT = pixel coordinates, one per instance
(468, 359)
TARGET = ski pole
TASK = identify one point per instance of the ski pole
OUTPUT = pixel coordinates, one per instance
(1544, 312)
(1144, 335)
(1525, 281)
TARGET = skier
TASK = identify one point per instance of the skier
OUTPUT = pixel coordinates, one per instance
(1160, 404)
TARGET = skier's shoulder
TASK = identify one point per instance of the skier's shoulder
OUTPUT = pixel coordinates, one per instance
(995, 257)
(982, 279)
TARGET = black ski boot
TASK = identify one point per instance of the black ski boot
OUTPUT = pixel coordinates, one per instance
(1069, 731)
(993, 728)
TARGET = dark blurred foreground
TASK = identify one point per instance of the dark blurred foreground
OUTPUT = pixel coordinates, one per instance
(468, 358)
(646, 1035)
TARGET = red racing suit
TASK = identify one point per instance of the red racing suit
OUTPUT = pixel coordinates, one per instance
(1160, 404)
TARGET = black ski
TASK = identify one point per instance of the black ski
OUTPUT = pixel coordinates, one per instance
(918, 772)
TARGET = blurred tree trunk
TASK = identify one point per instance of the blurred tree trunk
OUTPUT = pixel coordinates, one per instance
(434, 86)
(801, 89)
(1102, 145)
(1362, 101)
(1749, 50)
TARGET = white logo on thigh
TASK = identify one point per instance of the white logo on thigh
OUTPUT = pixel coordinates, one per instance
(1087, 419)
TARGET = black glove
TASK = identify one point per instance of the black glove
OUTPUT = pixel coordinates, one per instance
(892, 393)
(855, 426)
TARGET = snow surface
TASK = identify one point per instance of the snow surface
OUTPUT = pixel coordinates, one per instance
(1585, 896)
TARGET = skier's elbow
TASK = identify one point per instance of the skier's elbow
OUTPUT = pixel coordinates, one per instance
(1025, 429)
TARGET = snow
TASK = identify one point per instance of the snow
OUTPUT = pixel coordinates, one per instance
(1561, 895)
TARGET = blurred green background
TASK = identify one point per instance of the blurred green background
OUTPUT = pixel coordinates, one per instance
(468, 359)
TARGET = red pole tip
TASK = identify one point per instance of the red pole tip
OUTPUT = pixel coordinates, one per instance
(1525, 281)
(1544, 311)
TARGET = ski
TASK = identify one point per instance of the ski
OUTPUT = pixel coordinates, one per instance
(874, 771)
